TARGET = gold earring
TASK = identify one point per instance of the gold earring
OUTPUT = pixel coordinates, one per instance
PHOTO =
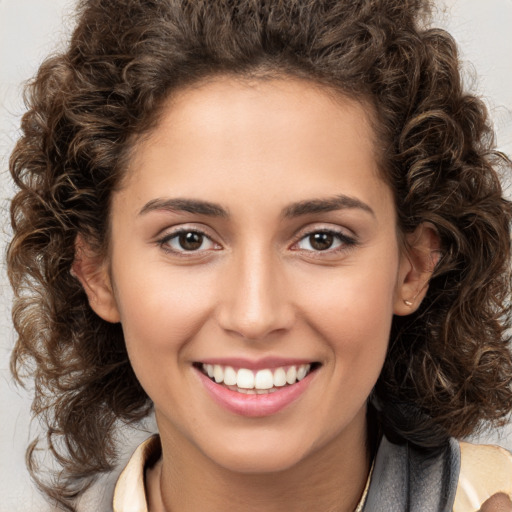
(407, 302)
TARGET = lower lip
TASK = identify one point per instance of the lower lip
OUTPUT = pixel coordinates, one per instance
(255, 405)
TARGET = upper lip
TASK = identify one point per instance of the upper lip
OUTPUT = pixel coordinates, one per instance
(256, 364)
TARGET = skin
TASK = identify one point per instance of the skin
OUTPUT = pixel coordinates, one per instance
(497, 503)
(257, 287)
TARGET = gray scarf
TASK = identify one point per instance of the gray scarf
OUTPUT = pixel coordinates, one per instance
(408, 479)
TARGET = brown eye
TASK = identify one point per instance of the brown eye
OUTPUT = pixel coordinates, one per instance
(187, 241)
(190, 241)
(321, 241)
(328, 241)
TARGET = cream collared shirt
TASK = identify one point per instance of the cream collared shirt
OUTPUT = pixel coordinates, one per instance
(485, 470)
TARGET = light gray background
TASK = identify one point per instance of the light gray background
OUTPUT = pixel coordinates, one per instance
(30, 29)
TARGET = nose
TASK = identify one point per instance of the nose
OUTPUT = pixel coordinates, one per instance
(256, 301)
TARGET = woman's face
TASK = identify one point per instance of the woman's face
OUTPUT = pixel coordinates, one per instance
(253, 237)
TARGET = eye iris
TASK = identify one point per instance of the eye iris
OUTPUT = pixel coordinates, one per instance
(321, 241)
(190, 241)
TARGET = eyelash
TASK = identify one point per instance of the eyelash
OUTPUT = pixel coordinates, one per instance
(346, 242)
(164, 241)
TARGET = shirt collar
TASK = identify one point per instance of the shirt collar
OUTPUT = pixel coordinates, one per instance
(130, 492)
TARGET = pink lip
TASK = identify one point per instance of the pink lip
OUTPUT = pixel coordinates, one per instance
(254, 405)
(258, 364)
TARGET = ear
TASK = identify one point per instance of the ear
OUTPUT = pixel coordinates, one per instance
(91, 270)
(418, 261)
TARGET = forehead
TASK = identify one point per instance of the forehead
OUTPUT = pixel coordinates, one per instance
(295, 103)
(274, 135)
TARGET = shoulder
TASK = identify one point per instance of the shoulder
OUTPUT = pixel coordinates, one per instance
(484, 471)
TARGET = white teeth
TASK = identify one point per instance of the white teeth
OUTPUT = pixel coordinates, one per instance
(302, 371)
(261, 382)
(291, 375)
(229, 376)
(264, 380)
(245, 379)
(279, 378)
(218, 373)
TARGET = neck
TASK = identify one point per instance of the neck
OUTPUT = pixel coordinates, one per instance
(331, 479)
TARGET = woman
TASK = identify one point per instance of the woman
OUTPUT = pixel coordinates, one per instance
(280, 226)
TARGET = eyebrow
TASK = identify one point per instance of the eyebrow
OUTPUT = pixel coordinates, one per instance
(339, 202)
(185, 205)
(307, 207)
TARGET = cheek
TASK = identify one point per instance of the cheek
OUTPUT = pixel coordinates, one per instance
(161, 309)
(351, 305)
(357, 333)
(352, 312)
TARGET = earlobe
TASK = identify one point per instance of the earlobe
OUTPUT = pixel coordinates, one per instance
(418, 262)
(92, 272)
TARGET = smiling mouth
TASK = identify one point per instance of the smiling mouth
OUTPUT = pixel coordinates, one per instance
(260, 382)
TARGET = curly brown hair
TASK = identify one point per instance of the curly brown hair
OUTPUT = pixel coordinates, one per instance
(449, 366)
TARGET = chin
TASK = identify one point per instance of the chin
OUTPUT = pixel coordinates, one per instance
(257, 458)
